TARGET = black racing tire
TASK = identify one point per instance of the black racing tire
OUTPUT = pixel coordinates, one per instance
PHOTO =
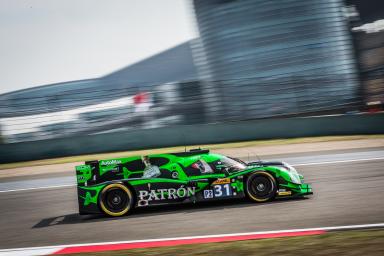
(116, 200)
(261, 187)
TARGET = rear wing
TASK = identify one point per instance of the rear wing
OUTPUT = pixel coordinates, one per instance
(88, 173)
(96, 172)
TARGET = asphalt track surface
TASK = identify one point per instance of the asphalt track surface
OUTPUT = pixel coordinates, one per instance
(347, 192)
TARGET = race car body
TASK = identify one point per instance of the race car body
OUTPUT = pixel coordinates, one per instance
(116, 186)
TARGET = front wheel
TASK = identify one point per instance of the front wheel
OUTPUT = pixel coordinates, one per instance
(115, 200)
(261, 187)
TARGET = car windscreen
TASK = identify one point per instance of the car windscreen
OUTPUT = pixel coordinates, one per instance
(231, 163)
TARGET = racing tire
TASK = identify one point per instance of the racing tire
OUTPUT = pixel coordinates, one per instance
(261, 187)
(115, 200)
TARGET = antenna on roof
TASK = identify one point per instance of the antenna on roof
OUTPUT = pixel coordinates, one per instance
(254, 155)
(258, 157)
(185, 141)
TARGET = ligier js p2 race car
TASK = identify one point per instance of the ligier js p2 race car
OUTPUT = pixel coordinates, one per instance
(116, 186)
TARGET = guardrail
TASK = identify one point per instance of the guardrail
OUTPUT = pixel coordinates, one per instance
(194, 135)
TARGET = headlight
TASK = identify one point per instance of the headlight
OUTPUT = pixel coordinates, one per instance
(292, 173)
(294, 178)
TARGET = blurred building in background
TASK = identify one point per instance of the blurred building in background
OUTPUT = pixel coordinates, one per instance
(265, 58)
(253, 59)
(170, 66)
(367, 25)
(158, 91)
(370, 48)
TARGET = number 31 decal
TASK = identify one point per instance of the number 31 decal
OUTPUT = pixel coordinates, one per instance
(222, 190)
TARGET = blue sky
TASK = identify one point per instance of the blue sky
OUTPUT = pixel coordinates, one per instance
(45, 41)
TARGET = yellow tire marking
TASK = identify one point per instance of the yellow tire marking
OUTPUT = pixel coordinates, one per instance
(115, 185)
(255, 198)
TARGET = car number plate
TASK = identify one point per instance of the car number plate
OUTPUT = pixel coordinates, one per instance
(222, 190)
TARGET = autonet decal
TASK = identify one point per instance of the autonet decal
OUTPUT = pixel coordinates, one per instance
(164, 194)
(110, 162)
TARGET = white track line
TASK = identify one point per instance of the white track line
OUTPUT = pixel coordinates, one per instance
(44, 250)
(341, 161)
(304, 164)
(36, 188)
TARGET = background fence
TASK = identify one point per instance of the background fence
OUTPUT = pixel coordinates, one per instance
(88, 111)
(194, 135)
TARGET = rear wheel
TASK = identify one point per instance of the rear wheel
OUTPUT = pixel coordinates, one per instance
(116, 200)
(261, 187)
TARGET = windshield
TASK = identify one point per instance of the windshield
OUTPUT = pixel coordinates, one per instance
(232, 163)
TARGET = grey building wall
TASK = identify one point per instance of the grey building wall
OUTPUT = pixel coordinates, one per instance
(263, 58)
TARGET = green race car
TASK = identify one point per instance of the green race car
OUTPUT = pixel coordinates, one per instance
(116, 186)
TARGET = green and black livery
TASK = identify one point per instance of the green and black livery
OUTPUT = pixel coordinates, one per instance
(116, 186)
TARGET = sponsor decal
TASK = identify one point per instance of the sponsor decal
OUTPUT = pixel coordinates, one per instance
(221, 181)
(110, 162)
(145, 196)
(208, 193)
(284, 193)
